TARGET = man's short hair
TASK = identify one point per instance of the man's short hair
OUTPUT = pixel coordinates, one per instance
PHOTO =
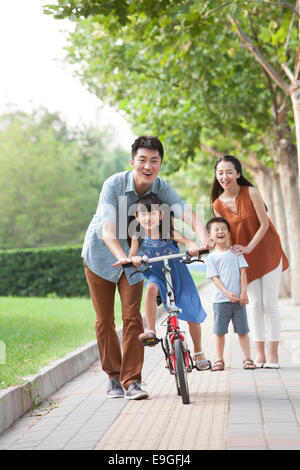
(148, 142)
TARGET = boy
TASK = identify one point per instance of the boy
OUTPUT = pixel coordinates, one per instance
(228, 272)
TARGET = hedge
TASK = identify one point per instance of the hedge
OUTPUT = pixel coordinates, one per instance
(43, 272)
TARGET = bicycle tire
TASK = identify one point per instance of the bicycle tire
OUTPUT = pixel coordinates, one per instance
(181, 372)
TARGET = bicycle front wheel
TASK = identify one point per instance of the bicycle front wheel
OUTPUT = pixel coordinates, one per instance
(181, 372)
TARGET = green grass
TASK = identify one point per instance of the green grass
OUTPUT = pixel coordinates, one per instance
(198, 276)
(37, 331)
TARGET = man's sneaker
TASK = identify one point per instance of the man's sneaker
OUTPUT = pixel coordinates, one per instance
(114, 389)
(134, 392)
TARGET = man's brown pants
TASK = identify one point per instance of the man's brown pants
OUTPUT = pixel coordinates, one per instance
(126, 368)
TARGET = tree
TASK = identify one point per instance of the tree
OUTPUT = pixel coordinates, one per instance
(176, 67)
(50, 179)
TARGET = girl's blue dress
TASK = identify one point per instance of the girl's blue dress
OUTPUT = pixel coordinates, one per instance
(186, 294)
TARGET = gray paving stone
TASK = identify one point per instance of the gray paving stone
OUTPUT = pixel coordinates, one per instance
(264, 409)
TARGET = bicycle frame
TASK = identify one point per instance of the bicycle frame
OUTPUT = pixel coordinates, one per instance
(173, 329)
(174, 345)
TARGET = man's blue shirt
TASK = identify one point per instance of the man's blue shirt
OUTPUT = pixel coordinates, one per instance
(116, 201)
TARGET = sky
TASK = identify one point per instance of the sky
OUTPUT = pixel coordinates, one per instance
(33, 72)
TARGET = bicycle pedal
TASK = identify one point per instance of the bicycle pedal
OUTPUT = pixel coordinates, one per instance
(150, 341)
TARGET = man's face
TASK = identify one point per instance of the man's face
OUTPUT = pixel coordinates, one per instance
(146, 163)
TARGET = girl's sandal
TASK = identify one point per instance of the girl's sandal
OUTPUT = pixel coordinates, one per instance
(218, 365)
(248, 364)
(203, 364)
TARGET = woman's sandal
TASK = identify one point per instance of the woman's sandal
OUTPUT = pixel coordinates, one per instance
(248, 364)
(218, 365)
(203, 364)
(148, 338)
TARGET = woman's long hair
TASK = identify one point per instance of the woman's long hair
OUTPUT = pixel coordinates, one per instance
(217, 189)
(166, 225)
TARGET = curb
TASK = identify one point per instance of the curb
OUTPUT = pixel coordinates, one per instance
(16, 401)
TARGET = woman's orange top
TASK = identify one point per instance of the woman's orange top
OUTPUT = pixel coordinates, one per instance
(266, 255)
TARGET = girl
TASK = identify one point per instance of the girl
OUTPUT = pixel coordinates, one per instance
(253, 235)
(158, 237)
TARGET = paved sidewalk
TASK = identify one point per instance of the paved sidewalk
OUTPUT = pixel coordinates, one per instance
(233, 409)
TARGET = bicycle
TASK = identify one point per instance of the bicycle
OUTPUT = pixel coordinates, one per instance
(174, 345)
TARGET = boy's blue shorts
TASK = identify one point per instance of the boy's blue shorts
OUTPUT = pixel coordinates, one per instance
(226, 311)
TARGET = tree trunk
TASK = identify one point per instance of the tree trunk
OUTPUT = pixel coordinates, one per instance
(288, 172)
(281, 227)
(296, 108)
(263, 179)
(268, 184)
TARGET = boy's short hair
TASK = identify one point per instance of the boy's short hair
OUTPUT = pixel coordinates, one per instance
(217, 220)
(148, 142)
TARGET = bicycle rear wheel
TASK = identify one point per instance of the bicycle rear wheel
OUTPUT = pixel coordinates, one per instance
(181, 372)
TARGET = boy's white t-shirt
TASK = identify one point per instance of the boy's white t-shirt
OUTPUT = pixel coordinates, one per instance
(226, 265)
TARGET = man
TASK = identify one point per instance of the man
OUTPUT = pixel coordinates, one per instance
(105, 242)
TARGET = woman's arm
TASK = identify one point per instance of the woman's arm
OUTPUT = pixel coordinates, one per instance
(216, 213)
(262, 216)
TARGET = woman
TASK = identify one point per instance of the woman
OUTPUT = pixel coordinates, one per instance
(253, 235)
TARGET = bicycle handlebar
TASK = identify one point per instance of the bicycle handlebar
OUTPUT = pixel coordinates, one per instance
(146, 260)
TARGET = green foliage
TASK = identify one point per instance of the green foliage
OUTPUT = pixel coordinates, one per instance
(50, 178)
(178, 69)
(43, 272)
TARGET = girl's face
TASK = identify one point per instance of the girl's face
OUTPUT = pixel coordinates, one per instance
(227, 175)
(149, 220)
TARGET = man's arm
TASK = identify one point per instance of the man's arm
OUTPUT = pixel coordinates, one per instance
(112, 243)
(132, 258)
(190, 244)
(190, 218)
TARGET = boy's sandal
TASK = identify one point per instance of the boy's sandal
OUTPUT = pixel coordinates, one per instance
(203, 364)
(248, 364)
(218, 365)
(148, 338)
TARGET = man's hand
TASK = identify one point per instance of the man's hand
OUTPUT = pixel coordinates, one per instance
(193, 248)
(121, 261)
(135, 260)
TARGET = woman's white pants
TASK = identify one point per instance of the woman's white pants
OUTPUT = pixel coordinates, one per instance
(263, 311)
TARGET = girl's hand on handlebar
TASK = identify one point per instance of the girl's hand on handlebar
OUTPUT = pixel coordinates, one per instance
(136, 261)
